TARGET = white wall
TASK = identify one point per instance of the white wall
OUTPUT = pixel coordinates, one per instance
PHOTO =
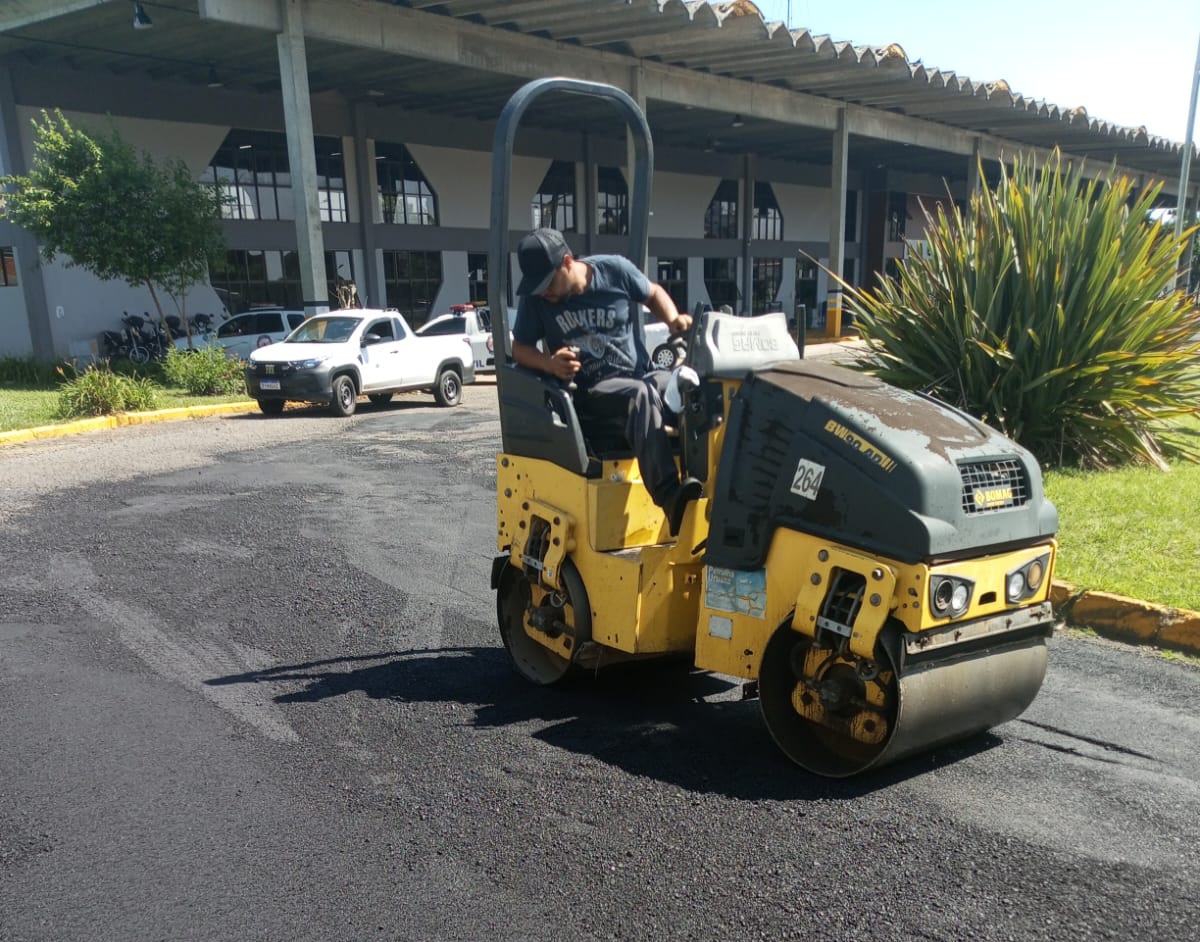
(462, 180)
(680, 201)
(454, 282)
(15, 340)
(805, 211)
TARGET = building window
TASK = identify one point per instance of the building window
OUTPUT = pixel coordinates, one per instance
(477, 278)
(411, 282)
(250, 278)
(851, 216)
(8, 267)
(251, 171)
(768, 220)
(806, 290)
(768, 275)
(612, 203)
(405, 196)
(720, 219)
(331, 179)
(671, 273)
(553, 204)
(720, 278)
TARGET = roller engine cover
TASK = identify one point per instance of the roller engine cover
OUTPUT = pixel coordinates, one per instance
(826, 450)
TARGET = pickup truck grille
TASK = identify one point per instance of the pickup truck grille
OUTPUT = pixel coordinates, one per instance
(274, 369)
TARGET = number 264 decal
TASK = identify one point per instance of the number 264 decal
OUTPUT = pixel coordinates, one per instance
(807, 480)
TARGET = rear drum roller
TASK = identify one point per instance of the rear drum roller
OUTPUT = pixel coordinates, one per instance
(564, 618)
(837, 715)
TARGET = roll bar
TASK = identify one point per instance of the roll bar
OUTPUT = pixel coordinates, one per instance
(502, 150)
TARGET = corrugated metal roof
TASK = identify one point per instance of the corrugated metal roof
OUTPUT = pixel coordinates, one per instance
(734, 40)
(728, 39)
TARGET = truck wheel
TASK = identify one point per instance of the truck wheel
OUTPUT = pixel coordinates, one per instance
(663, 357)
(271, 406)
(344, 397)
(448, 388)
(380, 399)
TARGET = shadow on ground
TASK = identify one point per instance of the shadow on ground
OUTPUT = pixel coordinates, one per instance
(649, 719)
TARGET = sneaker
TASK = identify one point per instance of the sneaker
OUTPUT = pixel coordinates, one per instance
(689, 490)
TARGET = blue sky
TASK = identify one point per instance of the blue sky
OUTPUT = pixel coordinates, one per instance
(1129, 63)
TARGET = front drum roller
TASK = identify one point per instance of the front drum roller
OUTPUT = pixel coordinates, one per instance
(543, 629)
(836, 715)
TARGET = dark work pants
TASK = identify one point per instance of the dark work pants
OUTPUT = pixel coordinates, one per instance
(640, 403)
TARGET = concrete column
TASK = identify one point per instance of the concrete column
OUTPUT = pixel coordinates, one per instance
(637, 92)
(837, 222)
(747, 228)
(297, 115)
(370, 279)
(973, 180)
(587, 219)
(25, 247)
(697, 290)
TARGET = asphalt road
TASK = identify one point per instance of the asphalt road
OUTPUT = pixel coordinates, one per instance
(251, 688)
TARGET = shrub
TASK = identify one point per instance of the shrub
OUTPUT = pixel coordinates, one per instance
(207, 372)
(1048, 311)
(100, 391)
(27, 372)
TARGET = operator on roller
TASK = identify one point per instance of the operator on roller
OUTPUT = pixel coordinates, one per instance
(584, 310)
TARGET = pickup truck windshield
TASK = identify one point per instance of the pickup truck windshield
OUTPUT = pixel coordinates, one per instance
(324, 330)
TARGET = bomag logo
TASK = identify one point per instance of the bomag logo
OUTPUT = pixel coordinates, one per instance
(992, 497)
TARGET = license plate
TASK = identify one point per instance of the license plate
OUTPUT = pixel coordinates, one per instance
(268, 384)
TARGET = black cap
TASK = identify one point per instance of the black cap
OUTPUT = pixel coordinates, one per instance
(540, 254)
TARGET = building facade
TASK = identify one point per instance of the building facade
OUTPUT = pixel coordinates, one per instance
(353, 139)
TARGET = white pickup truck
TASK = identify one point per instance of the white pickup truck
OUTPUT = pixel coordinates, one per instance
(334, 358)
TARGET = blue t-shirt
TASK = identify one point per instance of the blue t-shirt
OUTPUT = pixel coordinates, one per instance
(602, 321)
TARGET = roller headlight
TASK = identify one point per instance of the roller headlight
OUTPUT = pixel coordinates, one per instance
(1024, 582)
(950, 596)
(1016, 586)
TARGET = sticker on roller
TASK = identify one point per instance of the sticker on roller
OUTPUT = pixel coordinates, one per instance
(807, 481)
(742, 593)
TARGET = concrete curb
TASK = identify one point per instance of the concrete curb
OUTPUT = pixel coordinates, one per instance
(122, 418)
(1124, 619)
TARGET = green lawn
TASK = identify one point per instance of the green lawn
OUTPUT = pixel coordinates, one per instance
(26, 406)
(1135, 531)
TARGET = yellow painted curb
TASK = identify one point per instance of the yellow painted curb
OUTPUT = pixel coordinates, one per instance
(122, 418)
(1125, 619)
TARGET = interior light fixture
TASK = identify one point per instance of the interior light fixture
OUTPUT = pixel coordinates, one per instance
(141, 19)
(214, 80)
(737, 121)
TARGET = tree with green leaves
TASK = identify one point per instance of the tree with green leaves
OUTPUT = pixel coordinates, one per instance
(116, 212)
(1047, 309)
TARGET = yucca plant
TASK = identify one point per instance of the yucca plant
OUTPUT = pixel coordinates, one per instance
(1047, 309)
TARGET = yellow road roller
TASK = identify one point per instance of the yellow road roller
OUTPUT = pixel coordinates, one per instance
(875, 563)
